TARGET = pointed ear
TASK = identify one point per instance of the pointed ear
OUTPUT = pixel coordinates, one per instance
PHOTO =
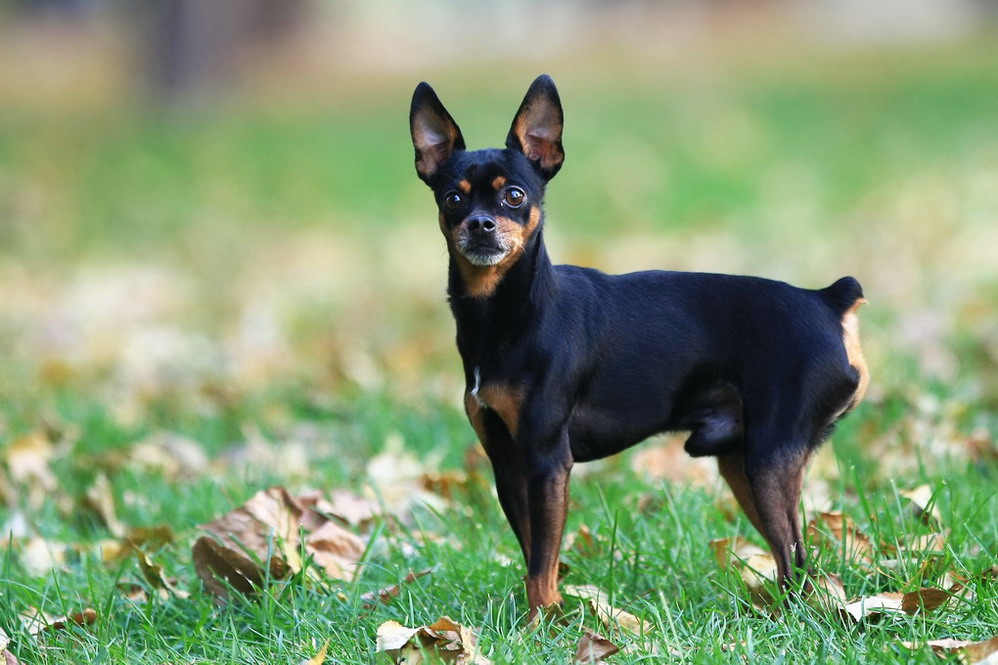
(536, 130)
(435, 135)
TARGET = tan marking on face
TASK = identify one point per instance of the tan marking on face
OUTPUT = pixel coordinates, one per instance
(482, 281)
(464, 186)
(498, 182)
(854, 352)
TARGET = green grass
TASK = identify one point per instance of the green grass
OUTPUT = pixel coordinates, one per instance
(273, 274)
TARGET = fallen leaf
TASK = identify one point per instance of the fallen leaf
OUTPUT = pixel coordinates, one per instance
(669, 461)
(729, 551)
(9, 658)
(874, 606)
(385, 594)
(39, 556)
(925, 600)
(354, 510)
(593, 648)
(319, 658)
(154, 575)
(100, 499)
(976, 653)
(336, 550)
(222, 564)
(445, 483)
(444, 639)
(923, 501)
(240, 543)
(608, 614)
(756, 566)
(35, 621)
(28, 460)
(396, 477)
(171, 454)
(582, 542)
(829, 593)
(264, 538)
(839, 532)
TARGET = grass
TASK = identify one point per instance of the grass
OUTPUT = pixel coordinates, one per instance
(267, 283)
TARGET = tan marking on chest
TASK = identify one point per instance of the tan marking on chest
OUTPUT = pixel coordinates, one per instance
(854, 352)
(506, 401)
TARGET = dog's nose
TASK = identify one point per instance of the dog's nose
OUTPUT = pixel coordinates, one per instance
(482, 224)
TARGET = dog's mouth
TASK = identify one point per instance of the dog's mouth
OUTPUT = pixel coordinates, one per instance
(483, 258)
(483, 253)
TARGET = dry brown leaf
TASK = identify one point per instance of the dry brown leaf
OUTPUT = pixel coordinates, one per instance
(669, 461)
(350, 508)
(35, 621)
(445, 483)
(929, 542)
(336, 550)
(976, 653)
(221, 564)
(445, 639)
(829, 593)
(922, 500)
(100, 499)
(925, 600)
(320, 657)
(873, 607)
(582, 542)
(385, 594)
(835, 530)
(593, 648)
(8, 657)
(607, 613)
(39, 556)
(396, 477)
(153, 572)
(756, 566)
(28, 460)
(171, 454)
(271, 524)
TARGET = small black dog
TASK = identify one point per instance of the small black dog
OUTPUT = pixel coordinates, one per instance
(566, 364)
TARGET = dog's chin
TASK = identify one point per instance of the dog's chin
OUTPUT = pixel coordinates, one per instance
(484, 258)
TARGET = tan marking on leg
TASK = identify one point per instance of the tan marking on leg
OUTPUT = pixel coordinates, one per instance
(498, 182)
(732, 469)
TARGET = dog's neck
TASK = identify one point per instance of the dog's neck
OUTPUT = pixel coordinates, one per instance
(485, 324)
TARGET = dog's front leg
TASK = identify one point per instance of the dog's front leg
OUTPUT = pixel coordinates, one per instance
(548, 467)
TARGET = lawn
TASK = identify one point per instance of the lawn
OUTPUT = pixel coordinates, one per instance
(195, 308)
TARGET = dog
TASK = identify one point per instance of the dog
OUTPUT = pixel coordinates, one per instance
(566, 364)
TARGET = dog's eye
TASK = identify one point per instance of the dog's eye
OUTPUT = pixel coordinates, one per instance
(452, 200)
(514, 197)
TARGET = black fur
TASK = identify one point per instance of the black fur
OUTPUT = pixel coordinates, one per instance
(756, 370)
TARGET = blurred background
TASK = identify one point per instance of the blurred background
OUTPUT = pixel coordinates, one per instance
(210, 207)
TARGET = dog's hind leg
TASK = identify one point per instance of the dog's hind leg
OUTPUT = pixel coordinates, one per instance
(775, 475)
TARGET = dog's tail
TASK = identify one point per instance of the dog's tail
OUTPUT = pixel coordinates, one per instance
(842, 295)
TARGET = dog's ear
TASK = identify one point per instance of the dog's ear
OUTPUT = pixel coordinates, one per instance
(536, 130)
(435, 135)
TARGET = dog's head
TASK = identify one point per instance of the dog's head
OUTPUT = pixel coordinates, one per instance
(489, 200)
